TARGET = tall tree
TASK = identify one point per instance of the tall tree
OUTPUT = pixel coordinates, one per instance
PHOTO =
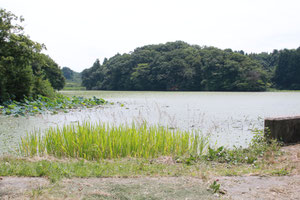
(50, 70)
(287, 72)
(16, 54)
(24, 71)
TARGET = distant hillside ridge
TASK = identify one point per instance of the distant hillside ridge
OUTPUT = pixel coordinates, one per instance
(73, 79)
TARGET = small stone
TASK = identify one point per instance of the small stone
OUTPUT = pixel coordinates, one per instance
(222, 191)
(217, 195)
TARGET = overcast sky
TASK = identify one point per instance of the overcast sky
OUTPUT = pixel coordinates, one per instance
(76, 33)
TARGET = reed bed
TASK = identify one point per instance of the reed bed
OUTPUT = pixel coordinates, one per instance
(105, 141)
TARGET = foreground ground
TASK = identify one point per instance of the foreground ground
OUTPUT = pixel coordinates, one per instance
(282, 182)
(246, 187)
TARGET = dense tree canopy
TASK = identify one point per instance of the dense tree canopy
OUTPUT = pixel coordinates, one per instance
(283, 67)
(287, 73)
(177, 66)
(24, 71)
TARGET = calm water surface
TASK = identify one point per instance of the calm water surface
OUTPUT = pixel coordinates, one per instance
(229, 117)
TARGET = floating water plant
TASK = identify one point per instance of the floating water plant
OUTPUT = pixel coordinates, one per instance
(103, 140)
(42, 104)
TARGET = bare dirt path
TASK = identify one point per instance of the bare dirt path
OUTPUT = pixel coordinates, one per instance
(255, 187)
(268, 187)
(105, 188)
(20, 187)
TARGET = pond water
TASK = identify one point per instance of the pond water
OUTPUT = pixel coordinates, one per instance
(228, 117)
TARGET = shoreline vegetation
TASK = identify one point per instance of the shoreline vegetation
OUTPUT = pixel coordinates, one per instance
(42, 104)
(98, 141)
(108, 150)
(60, 154)
(93, 150)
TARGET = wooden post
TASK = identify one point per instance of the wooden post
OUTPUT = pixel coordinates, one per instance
(286, 129)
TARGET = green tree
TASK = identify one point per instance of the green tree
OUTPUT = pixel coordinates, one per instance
(24, 71)
(287, 72)
(140, 77)
(16, 54)
(50, 70)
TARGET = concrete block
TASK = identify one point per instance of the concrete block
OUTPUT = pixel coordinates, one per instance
(286, 129)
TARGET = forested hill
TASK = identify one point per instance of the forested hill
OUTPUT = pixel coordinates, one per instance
(180, 66)
(177, 66)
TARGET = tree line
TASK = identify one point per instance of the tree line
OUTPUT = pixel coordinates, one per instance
(24, 70)
(180, 66)
(283, 67)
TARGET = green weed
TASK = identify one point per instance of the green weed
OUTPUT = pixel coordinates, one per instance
(259, 145)
(280, 172)
(215, 186)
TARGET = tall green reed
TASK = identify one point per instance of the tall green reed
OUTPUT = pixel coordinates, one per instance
(106, 141)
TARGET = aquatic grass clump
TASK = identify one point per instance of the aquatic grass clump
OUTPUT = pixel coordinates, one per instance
(106, 141)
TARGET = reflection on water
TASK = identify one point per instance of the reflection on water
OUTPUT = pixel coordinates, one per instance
(229, 117)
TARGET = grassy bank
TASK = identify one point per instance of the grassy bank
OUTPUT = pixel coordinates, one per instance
(55, 169)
